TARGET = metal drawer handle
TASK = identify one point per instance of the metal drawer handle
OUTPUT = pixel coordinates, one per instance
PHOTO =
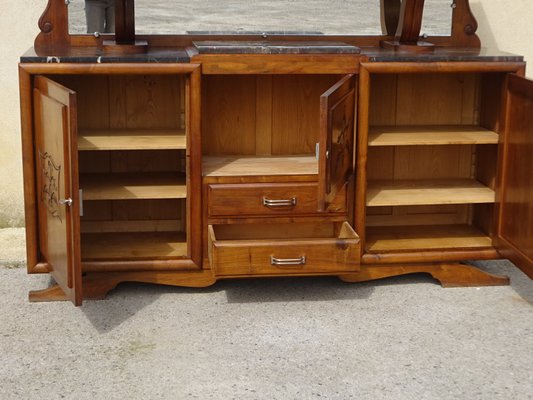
(287, 261)
(279, 203)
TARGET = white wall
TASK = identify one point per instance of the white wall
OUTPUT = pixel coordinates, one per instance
(507, 25)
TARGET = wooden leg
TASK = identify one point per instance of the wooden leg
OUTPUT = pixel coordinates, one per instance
(53, 293)
(96, 286)
(449, 275)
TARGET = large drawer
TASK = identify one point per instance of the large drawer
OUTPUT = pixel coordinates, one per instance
(258, 199)
(283, 249)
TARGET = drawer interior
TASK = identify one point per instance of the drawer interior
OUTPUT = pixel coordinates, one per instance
(289, 231)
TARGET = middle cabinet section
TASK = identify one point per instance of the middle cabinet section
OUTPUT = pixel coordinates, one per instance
(278, 149)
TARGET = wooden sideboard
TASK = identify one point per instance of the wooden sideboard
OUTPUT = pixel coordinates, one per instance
(187, 165)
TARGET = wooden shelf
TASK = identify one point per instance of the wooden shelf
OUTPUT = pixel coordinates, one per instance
(138, 245)
(127, 139)
(417, 238)
(427, 192)
(251, 166)
(430, 135)
(125, 186)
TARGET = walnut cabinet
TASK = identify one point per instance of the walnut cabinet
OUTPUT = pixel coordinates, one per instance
(159, 173)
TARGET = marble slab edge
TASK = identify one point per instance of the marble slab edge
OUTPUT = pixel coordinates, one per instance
(274, 47)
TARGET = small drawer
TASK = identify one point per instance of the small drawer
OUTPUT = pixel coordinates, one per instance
(262, 199)
(283, 249)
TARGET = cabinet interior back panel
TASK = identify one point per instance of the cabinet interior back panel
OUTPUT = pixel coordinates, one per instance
(296, 112)
(228, 115)
(129, 101)
(262, 114)
(424, 99)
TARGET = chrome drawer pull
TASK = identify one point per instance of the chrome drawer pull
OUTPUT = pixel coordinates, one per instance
(279, 203)
(287, 261)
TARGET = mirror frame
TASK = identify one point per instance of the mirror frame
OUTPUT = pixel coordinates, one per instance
(400, 20)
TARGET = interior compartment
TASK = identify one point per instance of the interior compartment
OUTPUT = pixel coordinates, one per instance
(433, 139)
(251, 123)
(270, 249)
(132, 165)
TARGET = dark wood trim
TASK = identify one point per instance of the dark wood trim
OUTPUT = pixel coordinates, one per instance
(125, 22)
(118, 68)
(390, 16)
(432, 67)
(54, 36)
(28, 169)
(194, 152)
(430, 256)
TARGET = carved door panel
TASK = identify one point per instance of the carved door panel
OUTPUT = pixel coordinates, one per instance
(336, 146)
(57, 186)
(514, 234)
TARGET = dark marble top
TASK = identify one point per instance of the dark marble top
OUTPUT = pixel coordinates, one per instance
(95, 55)
(182, 55)
(274, 47)
(440, 54)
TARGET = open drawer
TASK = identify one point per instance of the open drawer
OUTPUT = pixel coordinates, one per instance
(283, 249)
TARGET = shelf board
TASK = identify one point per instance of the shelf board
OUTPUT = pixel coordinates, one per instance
(128, 139)
(125, 186)
(430, 135)
(416, 238)
(427, 192)
(138, 245)
(252, 165)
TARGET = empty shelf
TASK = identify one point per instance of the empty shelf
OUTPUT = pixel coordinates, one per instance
(430, 135)
(426, 192)
(125, 186)
(416, 238)
(138, 245)
(251, 166)
(127, 139)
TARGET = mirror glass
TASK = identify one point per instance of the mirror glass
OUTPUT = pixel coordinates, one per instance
(328, 17)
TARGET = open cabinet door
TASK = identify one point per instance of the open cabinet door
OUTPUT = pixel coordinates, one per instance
(515, 216)
(57, 185)
(336, 145)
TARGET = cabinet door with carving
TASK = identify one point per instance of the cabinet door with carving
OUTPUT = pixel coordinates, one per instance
(336, 146)
(514, 235)
(57, 186)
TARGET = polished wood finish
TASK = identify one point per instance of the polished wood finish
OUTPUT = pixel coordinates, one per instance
(336, 142)
(421, 192)
(132, 245)
(277, 249)
(194, 172)
(125, 22)
(430, 135)
(401, 238)
(119, 139)
(54, 34)
(259, 166)
(515, 194)
(126, 186)
(267, 199)
(56, 173)
(449, 275)
(28, 169)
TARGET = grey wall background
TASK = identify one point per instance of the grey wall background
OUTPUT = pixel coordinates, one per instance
(502, 24)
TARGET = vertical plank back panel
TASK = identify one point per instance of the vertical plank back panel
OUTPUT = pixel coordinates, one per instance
(228, 114)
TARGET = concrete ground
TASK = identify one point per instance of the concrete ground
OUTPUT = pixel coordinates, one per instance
(401, 338)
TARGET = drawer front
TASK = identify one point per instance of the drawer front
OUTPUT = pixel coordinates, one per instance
(284, 256)
(262, 199)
